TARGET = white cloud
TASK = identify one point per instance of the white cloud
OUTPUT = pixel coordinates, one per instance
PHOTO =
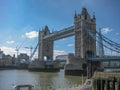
(11, 51)
(70, 45)
(8, 50)
(59, 52)
(10, 42)
(63, 39)
(106, 30)
(32, 34)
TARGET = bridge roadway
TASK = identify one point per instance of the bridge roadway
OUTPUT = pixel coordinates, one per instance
(106, 58)
(66, 32)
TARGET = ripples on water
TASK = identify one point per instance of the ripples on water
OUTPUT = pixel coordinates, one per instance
(41, 80)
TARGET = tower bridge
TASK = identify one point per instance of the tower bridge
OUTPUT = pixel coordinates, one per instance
(86, 37)
(84, 44)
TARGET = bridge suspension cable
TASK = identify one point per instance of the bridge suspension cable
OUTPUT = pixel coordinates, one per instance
(19, 46)
(33, 53)
(110, 41)
(114, 46)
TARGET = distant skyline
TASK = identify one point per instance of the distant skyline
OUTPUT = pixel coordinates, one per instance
(20, 21)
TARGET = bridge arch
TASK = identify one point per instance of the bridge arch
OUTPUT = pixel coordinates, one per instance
(46, 58)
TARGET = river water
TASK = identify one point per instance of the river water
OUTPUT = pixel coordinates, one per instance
(40, 80)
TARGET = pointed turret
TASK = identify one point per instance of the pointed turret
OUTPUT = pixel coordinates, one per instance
(46, 27)
(84, 11)
(94, 15)
(93, 18)
(75, 16)
(46, 30)
(84, 14)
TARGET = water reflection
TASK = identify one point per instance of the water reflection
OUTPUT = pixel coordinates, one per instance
(41, 80)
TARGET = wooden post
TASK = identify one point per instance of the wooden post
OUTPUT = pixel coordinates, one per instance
(118, 84)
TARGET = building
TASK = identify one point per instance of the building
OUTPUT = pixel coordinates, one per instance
(23, 58)
(6, 60)
(61, 57)
(62, 60)
(1, 54)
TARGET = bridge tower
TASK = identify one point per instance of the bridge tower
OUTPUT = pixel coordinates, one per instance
(85, 46)
(100, 45)
(45, 45)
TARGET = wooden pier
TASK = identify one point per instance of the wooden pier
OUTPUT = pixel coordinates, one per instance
(106, 81)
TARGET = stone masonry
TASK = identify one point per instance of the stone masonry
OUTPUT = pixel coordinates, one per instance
(45, 45)
(84, 44)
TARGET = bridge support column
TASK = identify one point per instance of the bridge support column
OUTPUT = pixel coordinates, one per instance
(75, 66)
(45, 45)
(85, 45)
(47, 49)
(89, 70)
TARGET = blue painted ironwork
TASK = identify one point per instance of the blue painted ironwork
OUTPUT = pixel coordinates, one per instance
(115, 47)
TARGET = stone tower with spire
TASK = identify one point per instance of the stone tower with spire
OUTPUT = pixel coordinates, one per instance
(45, 45)
(85, 45)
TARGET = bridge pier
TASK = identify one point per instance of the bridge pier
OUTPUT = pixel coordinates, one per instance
(110, 83)
(85, 45)
(75, 66)
(93, 66)
(45, 49)
(89, 70)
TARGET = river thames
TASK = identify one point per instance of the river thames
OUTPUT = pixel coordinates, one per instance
(40, 80)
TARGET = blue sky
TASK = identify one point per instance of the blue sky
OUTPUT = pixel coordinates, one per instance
(20, 20)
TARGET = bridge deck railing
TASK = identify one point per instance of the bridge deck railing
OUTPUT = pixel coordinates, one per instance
(105, 58)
